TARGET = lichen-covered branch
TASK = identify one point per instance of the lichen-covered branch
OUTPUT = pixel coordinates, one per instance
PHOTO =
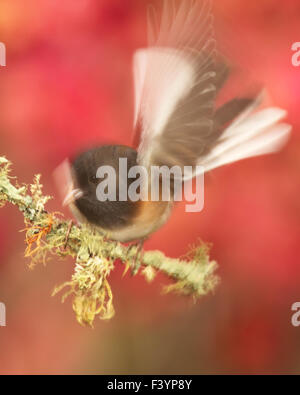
(48, 234)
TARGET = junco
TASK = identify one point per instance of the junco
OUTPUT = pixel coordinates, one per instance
(176, 123)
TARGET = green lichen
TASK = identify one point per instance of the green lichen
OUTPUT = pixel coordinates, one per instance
(48, 235)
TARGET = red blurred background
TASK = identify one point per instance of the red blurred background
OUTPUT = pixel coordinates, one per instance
(67, 86)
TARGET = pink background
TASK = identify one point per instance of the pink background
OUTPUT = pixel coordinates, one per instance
(68, 85)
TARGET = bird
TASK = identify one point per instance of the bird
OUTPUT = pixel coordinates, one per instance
(177, 80)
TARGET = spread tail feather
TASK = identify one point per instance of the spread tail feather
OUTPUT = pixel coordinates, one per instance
(253, 134)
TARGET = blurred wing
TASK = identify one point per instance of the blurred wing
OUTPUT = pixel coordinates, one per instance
(176, 81)
(174, 84)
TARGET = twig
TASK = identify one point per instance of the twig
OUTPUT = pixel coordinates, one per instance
(47, 234)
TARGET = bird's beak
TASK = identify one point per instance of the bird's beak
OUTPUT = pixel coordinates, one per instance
(73, 195)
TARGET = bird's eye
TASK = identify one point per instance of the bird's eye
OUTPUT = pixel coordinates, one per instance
(93, 180)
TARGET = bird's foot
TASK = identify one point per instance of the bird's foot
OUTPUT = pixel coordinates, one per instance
(71, 223)
(138, 257)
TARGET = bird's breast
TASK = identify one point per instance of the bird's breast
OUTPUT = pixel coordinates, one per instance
(150, 216)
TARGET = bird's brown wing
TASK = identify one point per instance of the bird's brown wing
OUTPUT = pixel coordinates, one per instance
(175, 84)
(176, 81)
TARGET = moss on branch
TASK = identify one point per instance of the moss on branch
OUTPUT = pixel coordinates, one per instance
(48, 234)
